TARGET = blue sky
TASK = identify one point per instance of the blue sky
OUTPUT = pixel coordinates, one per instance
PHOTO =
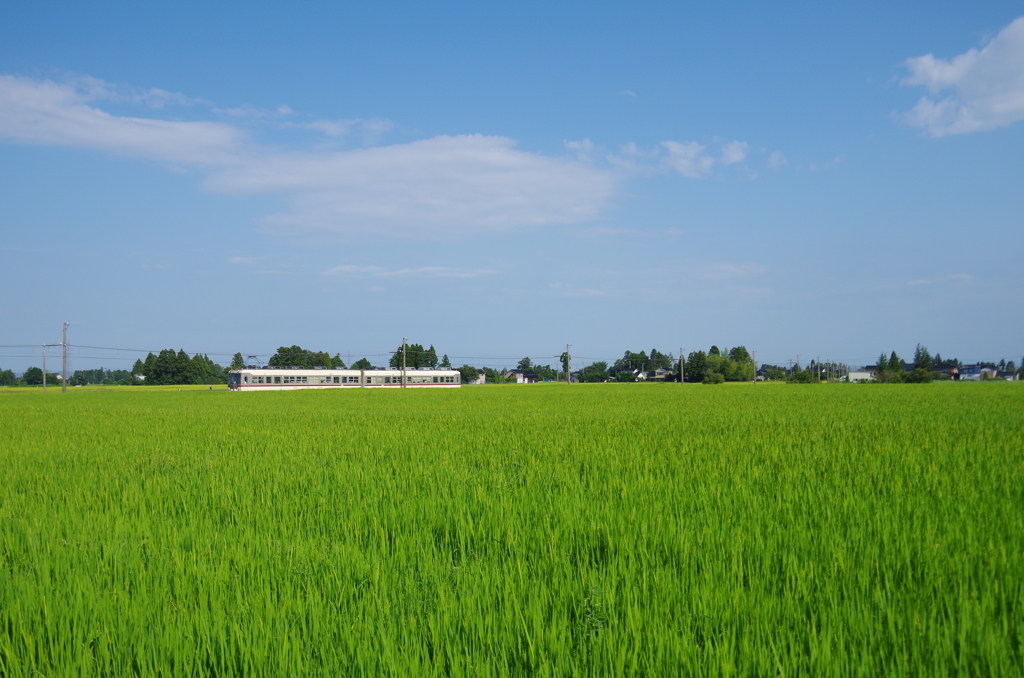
(814, 180)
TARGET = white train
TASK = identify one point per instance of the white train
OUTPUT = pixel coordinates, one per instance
(287, 378)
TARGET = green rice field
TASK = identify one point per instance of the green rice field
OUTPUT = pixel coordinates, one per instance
(548, 530)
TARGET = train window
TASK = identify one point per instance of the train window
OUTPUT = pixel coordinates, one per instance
(277, 380)
(336, 381)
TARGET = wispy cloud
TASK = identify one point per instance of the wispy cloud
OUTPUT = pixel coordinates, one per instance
(687, 158)
(627, 93)
(449, 186)
(986, 86)
(245, 260)
(425, 271)
(777, 159)
(734, 152)
(443, 187)
(45, 112)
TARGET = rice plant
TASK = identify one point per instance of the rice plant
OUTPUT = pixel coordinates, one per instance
(592, 530)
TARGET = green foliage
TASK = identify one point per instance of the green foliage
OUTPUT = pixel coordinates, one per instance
(362, 364)
(551, 531)
(547, 373)
(101, 376)
(33, 376)
(237, 362)
(524, 364)
(468, 374)
(733, 365)
(415, 356)
(918, 375)
(296, 356)
(445, 364)
(713, 378)
(169, 367)
(625, 376)
(808, 376)
(7, 378)
(922, 358)
(594, 373)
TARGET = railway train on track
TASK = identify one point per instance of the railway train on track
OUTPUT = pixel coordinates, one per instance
(288, 378)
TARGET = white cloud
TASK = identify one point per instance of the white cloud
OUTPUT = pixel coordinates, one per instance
(44, 112)
(986, 86)
(370, 128)
(687, 158)
(777, 159)
(425, 271)
(453, 186)
(245, 260)
(627, 93)
(734, 152)
(447, 186)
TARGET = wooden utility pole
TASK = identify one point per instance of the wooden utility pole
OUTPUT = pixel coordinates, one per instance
(64, 360)
(754, 380)
(568, 358)
(682, 365)
(44, 368)
(403, 363)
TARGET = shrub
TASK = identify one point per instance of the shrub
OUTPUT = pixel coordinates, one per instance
(713, 378)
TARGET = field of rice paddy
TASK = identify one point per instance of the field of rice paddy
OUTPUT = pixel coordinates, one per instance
(549, 530)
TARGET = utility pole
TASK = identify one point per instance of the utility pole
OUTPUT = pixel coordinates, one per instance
(44, 368)
(754, 380)
(682, 365)
(798, 360)
(403, 363)
(568, 358)
(64, 360)
(817, 367)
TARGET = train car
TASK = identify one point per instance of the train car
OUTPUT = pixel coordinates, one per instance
(288, 378)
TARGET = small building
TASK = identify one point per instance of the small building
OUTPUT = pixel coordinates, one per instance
(522, 376)
(863, 374)
(977, 372)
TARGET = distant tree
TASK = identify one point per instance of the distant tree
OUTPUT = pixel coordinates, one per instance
(33, 376)
(524, 364)
(468, 374)
(658, 360)
(547, 373)
(895, 363)
(445, 364)
(714, 351)
(361, 364)
(696, 367)
(7, 378)
(739, 354)
(415, 356)
(774, 374)
(564, 359)
(296, 356)
(918, 375)
(1011, 367)
(237, 362)
(336, 361)
(922, 358)
(713, 378)
(625, 375)
(808, 376)
(595, 372)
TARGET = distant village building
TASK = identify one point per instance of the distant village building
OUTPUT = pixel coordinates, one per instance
(977, 372)
(523, 376)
